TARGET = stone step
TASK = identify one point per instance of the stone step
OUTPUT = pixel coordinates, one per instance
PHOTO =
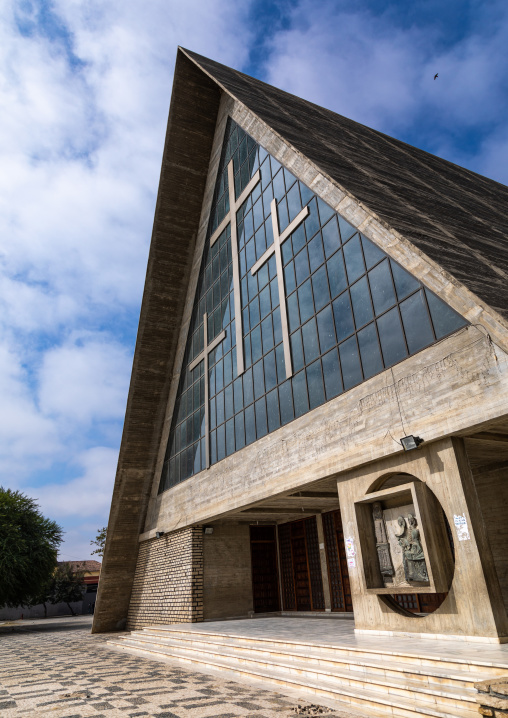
(394, 697)
(355, 665)
(326, 671)
(479, 668)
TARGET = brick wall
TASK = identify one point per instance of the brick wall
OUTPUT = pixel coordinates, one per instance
(168, 583)
(227, 590)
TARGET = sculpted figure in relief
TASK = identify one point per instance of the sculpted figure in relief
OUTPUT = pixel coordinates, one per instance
(415, 568)
(382, 545)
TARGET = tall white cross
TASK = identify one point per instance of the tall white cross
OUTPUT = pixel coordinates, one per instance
(203, 356)
(275, 248)
(234, 206)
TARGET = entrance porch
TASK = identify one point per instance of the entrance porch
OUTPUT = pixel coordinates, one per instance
(323, 660)
(284, 555)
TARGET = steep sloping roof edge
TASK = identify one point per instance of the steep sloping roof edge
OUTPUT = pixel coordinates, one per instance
(191, 125)
(455, 217)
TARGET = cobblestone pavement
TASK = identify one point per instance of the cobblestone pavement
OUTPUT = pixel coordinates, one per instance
(56, 668)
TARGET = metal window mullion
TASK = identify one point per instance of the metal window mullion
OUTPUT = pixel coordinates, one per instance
(236, 272)
(424, 293)
(402, 326)
(340, 365)
(207, 391)
(379, 344)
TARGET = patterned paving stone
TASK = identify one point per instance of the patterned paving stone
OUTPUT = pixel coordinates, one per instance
(56, 669)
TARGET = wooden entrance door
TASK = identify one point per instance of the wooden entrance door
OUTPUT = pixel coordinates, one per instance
(265, 578)
(302, 584)
(300, 567)
(340, 589)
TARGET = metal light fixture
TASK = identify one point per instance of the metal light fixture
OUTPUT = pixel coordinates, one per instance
(208, 530)
(158, 534)
(411, 442)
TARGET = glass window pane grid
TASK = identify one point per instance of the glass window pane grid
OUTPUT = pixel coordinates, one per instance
(315, 245)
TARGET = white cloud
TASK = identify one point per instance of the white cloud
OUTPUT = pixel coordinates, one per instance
(346, 61)
(89, 494)
(378, 71)
(27, 437)
(35, 308)
(76, 544)
(85, 86)
(85, 380)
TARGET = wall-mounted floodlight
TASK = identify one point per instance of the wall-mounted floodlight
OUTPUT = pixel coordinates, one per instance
(208, 530)
(158, 534)
(411, 442)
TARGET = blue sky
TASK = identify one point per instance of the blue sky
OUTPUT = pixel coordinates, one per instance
(85, 92)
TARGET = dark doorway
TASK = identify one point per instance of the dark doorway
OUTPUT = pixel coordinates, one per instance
(265, 578)
(340, 590)
(423, 603)
(302, 584)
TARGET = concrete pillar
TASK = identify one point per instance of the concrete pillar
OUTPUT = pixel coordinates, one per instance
(324, 563)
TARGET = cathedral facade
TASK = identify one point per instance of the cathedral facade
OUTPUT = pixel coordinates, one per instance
(317, 421)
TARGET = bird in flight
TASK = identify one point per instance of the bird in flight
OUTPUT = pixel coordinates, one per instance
(435, 76)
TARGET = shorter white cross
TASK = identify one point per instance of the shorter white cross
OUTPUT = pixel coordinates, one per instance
(234, 206)
(203, 356)
(275, 248)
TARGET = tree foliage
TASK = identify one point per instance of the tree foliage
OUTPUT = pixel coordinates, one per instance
(67, 585)
(43, 596)
(100, 541)
(28, 548)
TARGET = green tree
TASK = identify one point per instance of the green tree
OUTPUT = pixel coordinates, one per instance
(100, 541)
(43, 596)
(28, 547)
(67, 585)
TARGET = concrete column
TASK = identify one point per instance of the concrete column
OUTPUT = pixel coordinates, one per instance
(324, 564)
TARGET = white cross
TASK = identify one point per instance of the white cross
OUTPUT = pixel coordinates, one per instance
(234, 206)
(203, 356)
(275, 248)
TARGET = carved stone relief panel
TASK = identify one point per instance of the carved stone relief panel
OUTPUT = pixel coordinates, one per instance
(406, 550)
(382, 545)
(403, 543)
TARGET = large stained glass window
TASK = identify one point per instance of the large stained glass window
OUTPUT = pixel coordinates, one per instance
(293, 307)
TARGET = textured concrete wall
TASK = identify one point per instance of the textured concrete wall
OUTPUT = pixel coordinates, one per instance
(227, 585)
(474, 606)
(443, 389)
(168, 583)
(492, 489)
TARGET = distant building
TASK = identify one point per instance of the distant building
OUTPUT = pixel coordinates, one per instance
(91, 570)
(319, 297)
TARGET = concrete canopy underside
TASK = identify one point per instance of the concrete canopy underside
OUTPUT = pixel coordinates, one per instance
(487, 451)
(199, 87)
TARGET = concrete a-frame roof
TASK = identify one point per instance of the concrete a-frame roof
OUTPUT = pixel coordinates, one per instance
(457, 217)
(453, 216)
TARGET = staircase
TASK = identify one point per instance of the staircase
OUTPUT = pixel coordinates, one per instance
(355, 677)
